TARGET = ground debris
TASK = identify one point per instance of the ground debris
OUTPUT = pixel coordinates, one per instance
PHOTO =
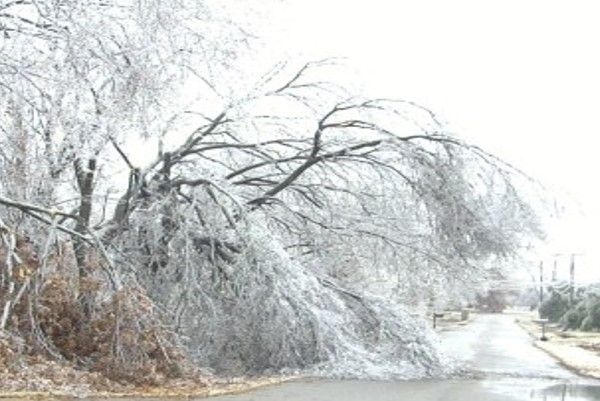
(35, 378)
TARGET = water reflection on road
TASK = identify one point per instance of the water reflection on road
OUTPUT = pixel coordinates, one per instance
(519, 389)
(442, 390)
(500, 364)
(568, 392)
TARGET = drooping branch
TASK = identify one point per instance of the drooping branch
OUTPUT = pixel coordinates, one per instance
(188, 147)
(311, 161)
(222, 249)
(295, 82)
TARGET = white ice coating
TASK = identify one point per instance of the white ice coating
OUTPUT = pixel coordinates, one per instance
(276, 316)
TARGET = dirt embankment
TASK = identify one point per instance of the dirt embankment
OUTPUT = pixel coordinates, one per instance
(576, 350)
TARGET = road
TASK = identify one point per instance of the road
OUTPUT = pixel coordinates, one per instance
(500, 364)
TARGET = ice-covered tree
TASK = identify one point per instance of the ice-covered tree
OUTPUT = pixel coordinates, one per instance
(271, 222)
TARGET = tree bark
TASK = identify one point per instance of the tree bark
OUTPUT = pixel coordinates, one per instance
(85, 181)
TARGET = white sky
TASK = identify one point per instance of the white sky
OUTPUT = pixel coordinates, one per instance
(521, 78)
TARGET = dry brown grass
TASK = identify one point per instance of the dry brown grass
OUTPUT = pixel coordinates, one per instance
(173, 389)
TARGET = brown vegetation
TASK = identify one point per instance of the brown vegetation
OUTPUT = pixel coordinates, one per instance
(49, 342)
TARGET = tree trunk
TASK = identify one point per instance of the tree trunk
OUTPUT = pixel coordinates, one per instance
(85, 180)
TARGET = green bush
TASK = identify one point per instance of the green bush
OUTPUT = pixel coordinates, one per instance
(573, 318)
(591, 321)
(555, 306)
(583, 315)
(587, 324)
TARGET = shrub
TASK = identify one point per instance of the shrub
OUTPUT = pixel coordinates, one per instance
(591, 320)
(555, 307)
(573, 318)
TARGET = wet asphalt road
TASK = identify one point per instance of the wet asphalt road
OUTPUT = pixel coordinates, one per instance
(500, 364)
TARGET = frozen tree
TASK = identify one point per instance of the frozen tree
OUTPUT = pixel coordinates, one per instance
(274, 223)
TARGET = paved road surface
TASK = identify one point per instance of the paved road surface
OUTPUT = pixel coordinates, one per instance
(501, 365)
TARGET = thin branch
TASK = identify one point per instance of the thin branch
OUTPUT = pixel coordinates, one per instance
(311, 162)
(28, 207)
(121, 153)
(194, 139)
(58, 227)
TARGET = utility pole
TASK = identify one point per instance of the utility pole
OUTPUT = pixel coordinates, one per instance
(541, 282)
(555, 267)
(572, 279)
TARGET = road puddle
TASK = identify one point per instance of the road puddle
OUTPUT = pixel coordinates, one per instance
(426, 390)
(567, 392)
(542, 389)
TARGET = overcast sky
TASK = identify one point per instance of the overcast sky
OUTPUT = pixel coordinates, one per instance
(521, 78)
